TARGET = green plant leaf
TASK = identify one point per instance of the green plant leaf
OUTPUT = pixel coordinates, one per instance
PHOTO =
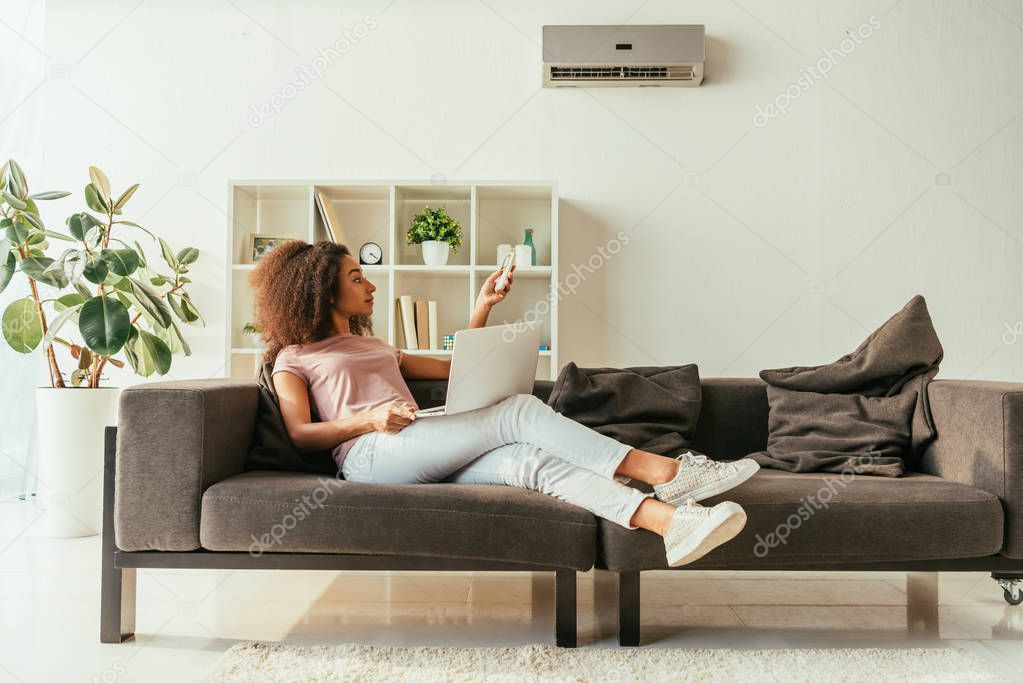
(39, 269)
(94, 200)
(125, 196)
(140, 253)
(153, 354)
(21, 325)
(69, 300)
(3, 173)
(104, 323)
(135, 225)
(94, 237)
(82, 289)
(18, 184)
(183, 308)
(95, 270)
(123, 262)
(7, 268)
(34, 221)
(149, 301)
(13, 201)
(129, 349)
(58, 236)
(185, 348)
(74, 265)
(188, 255)
(58, 322)
(31, 207)
(168, 255)
(99, 179)
(46, 196)
(5, 248)
(79, 225)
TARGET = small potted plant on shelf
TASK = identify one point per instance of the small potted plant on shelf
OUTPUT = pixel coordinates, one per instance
(437, 232)
(98, 298)
(251, 332)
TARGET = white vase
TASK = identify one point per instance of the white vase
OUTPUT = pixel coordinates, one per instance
(70, 487)
(435, 252)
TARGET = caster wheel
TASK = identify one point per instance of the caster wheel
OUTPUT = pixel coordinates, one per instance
(1013, 597)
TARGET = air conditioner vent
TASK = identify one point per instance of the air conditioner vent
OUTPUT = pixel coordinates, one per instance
(620, 73)
(668, 55)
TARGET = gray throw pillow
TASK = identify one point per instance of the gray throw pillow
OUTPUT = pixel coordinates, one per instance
(813, 432)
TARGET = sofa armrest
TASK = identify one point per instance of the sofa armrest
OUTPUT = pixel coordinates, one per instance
(174, 440)
(980, 443)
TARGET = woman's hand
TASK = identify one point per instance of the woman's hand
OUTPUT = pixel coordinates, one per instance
(392, 417)
(488, 297)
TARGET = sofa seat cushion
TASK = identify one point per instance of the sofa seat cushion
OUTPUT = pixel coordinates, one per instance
(291, 512)
(818, 518)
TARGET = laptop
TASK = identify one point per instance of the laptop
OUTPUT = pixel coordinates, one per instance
(488, 365)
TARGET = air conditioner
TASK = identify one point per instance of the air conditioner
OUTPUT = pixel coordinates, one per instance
(601, 56)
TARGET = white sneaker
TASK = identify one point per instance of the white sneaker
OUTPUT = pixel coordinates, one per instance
(695, 530)
(700, 477)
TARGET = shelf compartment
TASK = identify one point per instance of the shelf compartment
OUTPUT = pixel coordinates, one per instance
(503, 212)
(411, 199)
(450, 293)
(267, 211)
(364, 214)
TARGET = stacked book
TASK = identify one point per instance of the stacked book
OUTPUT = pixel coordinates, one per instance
(417, 323)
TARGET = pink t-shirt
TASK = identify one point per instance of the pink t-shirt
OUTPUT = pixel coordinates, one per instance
(347, 374)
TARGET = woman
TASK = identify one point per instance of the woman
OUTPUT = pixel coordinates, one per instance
(313, 304)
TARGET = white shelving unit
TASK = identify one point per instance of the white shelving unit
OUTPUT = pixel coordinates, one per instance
(491, 213)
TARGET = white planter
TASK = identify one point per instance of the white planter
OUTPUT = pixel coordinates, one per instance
(70, 488)
(255, 340)
(435, 252)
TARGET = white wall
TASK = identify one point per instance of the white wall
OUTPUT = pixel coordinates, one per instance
(751, 247)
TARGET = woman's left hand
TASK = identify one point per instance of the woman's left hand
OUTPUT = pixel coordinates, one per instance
(488, 296)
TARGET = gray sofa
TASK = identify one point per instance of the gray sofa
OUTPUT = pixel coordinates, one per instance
(177, 496)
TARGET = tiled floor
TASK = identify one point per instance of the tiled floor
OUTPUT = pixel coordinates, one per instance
(49, 612)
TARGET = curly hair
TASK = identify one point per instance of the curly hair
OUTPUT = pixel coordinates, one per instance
(296, 286)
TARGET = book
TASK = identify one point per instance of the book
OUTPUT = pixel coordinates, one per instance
(423, 324)
(408, 322)
(329, 217)
(432, 306)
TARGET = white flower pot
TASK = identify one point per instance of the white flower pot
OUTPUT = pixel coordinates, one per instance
(435, 252)
(70, 487)
(255, 340)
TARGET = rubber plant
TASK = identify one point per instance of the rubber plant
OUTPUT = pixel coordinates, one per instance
(99, 282)
(435, 224)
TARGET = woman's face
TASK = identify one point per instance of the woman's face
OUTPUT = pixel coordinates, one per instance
(355, 292)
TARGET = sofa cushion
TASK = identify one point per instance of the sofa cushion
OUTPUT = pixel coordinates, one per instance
(261, 512)
(897, 359)
(815, 518)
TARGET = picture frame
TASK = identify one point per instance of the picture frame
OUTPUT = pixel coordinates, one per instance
(264, 244)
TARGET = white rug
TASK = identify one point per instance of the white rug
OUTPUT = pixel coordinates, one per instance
(350, 663)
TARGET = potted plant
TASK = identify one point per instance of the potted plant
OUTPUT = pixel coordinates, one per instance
(437, 232)
(102, 302)
(251, 332)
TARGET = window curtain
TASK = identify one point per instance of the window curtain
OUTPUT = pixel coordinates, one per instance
(23, 74)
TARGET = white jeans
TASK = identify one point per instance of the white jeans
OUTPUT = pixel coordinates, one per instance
(520, 441)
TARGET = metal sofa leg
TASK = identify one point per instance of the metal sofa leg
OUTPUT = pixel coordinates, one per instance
(117, 589)
(565, 608)
(1012, 586)
(628, 609)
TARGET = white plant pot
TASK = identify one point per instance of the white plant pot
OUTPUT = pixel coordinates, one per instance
(435, 252)
(255, 340)
(70, 488)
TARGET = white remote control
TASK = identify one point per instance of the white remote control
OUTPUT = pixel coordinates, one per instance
(502, 281)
